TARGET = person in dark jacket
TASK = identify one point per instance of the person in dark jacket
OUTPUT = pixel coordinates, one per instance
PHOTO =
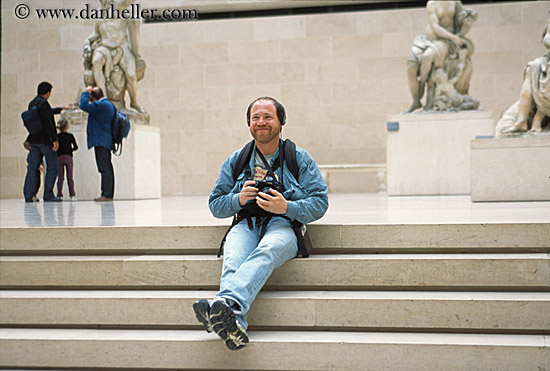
(67, 145)
(100, 115)
(43, 145)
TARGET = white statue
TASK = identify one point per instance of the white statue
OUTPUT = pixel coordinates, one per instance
(532, 110)
(111, 54)
(443, 47)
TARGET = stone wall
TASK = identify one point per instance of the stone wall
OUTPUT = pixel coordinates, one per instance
(338, 75)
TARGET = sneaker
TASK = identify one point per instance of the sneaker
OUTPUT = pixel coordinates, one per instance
(202, 313)
(225, 325)
(32, 199)
(73, 198)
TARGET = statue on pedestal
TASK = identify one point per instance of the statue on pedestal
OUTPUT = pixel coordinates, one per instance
(111, 58)
(532, 111)
(443, 49)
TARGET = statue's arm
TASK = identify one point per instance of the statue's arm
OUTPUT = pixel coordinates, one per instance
(93, 37)
(466, 23)
(546, 35)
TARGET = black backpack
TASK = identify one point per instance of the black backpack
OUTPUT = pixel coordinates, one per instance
(120, 127)
(289, 156)
(32, 121)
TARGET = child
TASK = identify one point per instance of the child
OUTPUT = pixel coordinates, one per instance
(67, 144)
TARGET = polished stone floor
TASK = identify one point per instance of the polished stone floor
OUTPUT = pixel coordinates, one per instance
(344, 209)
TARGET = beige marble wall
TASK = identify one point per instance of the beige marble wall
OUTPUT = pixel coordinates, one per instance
(338, 75)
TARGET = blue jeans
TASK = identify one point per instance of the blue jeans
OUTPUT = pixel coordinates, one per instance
(248, 262)
(32, 179)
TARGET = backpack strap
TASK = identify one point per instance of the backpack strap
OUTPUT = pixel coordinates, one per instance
(289, 149)
(243, 159)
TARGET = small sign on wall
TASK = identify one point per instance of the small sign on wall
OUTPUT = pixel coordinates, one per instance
(393, 125)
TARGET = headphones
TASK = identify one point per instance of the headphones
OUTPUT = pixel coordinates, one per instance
(281, 113)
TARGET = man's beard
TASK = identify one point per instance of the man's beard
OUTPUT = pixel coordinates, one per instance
(265, 136)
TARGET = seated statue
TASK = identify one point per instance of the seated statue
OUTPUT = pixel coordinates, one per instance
(442, 46)
(532, 110)
(111, 59)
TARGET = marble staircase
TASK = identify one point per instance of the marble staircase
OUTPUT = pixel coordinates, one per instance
(371, 297)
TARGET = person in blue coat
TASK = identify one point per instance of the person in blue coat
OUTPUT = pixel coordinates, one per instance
(100, 115)
(255, 246)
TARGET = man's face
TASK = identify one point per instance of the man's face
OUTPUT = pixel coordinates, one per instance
(264, 123)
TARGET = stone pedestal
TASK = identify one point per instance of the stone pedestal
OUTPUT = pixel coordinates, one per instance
(429, 154)
(510, 169)
(137, 170)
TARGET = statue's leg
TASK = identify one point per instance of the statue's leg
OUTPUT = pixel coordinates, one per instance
(81, 88)
(525, 104)
(537, 122)
(416, 89)
(430, 96)
(98, 61)
(128, 65)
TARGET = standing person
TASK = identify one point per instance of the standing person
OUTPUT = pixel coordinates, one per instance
(254, 249)
(43, 145)
(100, 114)
(67, 144)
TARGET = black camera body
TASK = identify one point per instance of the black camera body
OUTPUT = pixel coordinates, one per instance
(268, 183)
(251, 207)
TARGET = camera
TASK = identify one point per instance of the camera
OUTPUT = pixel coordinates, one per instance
(268, 183)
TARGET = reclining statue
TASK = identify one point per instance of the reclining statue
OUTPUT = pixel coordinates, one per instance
(532, 110)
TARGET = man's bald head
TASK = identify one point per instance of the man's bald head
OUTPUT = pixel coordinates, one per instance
(96, 93)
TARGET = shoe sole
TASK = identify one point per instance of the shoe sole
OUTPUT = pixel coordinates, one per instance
(202, 313)
(225, 325)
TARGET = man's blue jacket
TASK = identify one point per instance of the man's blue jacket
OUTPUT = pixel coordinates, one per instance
(307, 199)
(101, 114)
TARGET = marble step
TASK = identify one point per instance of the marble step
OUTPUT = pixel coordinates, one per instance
(519, 237)
(470, 272)
(272, 350)
(412, 311)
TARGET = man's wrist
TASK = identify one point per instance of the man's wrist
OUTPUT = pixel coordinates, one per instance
(236, 202)
(291, 210)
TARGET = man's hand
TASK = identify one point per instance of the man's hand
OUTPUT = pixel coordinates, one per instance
(249, 192)
(68, 106)
(274, 202)
(89, 88)
(55, 146)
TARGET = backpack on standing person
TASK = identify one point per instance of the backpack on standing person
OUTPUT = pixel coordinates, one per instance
(120, 128)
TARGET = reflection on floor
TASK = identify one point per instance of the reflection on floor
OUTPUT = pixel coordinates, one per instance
(344, 209)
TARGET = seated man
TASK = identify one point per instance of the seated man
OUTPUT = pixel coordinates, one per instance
(253, 249)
